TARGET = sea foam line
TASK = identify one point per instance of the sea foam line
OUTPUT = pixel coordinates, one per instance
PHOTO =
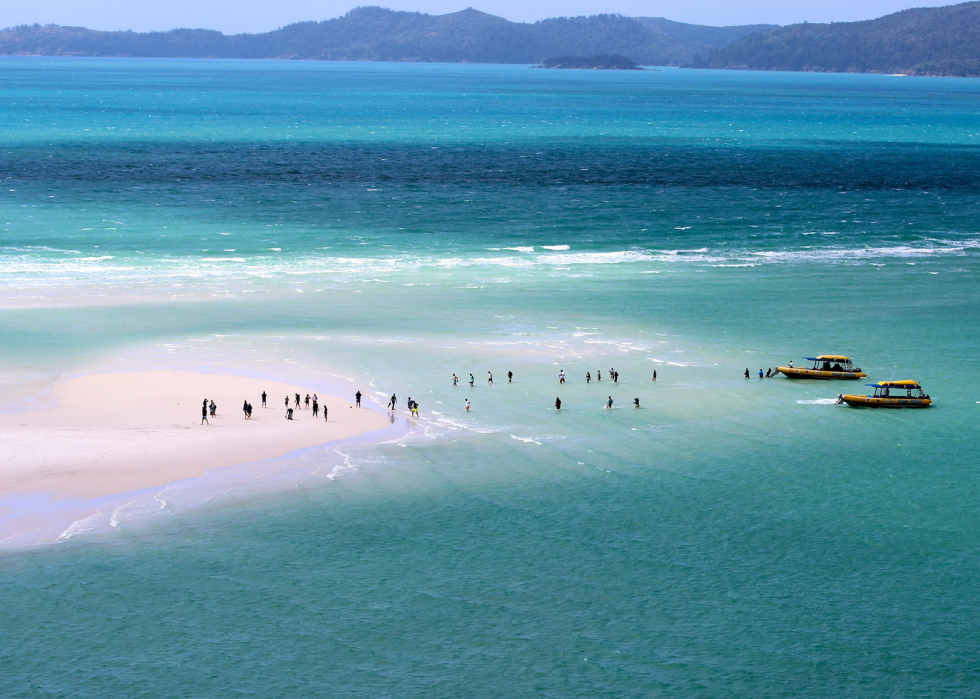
(38, 268)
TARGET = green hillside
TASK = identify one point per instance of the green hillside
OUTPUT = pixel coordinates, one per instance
(924, 41)
(378, 34)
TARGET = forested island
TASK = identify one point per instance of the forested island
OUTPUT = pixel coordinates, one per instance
(602, 61)
(941, 41)
(378, 34)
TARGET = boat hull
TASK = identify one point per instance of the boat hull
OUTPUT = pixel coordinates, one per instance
(890, 402)
(804, 373)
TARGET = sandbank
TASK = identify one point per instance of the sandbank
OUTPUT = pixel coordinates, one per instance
(104, 434)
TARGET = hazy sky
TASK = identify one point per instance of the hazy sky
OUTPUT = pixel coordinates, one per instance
(263, 15)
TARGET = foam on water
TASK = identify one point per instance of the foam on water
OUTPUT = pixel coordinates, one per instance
(38, 270)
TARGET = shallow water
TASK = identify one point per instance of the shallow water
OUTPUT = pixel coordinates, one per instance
(384, 226)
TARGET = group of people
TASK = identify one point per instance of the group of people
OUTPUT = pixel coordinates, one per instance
(206, 410)
(413, 406)
(613, 375)
(307, 402)
(609, 403)
(312, 401)
(768, 375)
(510, 378)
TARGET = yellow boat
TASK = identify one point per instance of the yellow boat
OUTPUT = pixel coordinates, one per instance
(826, 366)
(890, 394)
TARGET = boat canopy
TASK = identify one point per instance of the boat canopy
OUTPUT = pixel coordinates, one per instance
(893, 384)
(828, 358)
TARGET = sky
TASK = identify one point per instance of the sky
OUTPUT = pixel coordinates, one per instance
(234, 16)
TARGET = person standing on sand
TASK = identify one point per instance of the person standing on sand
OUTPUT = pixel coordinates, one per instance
(307, 401)
(214, 408)
(467, 405)
(510, 377)
(204, 414)
(263, 399)
(357, 399)
(287, 401)
(324, 413)
(245, 409)
(249, 411)
(316, 408)
(297, 401)
(557, 403)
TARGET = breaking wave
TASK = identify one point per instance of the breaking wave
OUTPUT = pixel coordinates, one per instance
(42, 267)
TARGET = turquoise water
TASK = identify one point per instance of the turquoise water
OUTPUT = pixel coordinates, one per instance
(384, 226)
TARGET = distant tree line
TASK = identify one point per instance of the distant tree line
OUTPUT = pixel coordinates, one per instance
(378, 34)
(925, 41)
(602, 61)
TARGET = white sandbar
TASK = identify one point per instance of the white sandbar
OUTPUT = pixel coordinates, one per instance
(105, 434)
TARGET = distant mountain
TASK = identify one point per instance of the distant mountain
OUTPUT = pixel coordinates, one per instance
(378, 34)
(715, 37)
(924, 41)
